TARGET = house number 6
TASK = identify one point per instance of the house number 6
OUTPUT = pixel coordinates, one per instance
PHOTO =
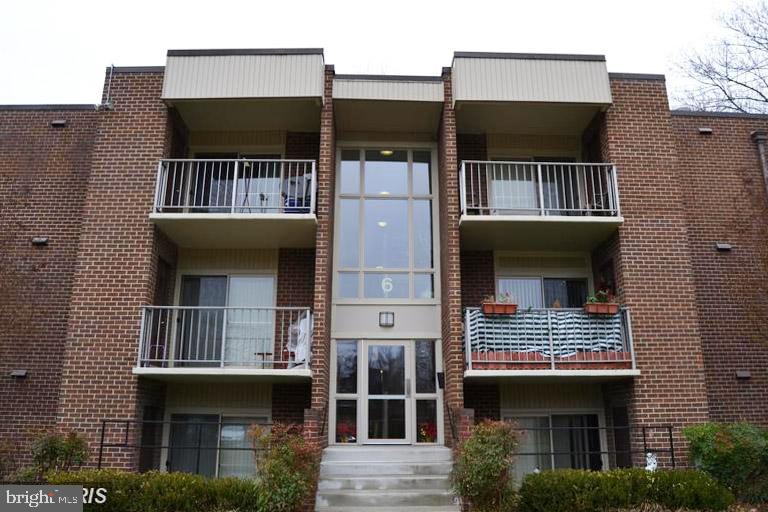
(386, 285)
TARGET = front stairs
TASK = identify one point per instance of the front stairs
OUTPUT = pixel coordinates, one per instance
(385, 478)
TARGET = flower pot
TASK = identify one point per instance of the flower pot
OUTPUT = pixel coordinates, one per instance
(499, 308)
(601, 308)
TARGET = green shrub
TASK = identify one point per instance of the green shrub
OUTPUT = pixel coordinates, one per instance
(482, 473)
(587, 491)
(288, 470)
(163, 492)
(54, 451)
(735, 454)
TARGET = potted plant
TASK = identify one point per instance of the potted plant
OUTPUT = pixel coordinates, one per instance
(504, 304)
(601, 303)
(346, 432)
(427, 432)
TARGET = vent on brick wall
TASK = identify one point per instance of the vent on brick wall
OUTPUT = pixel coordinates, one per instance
(59, 123)
(704, 130)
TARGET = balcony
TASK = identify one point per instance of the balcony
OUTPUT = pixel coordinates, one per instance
(549, 342)
(537, 206)
(238, 203)
(183, 341)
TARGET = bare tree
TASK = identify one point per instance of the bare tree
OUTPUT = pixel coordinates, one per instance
(732, 73)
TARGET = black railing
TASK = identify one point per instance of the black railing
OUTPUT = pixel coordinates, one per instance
(188, 446)
(596, 448)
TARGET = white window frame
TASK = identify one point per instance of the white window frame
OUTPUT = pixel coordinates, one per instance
(361, 197)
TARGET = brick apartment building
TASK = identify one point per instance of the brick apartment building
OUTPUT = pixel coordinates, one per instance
(246, 236)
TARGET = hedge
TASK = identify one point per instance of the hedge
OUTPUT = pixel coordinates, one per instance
(163, 492)
(588, 491)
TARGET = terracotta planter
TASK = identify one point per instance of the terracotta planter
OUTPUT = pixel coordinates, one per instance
(499, 308)
(601, 308)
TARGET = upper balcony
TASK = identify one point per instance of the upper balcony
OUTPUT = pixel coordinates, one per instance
(537, 205)
(224, 342)
(236, 203)
(554, 342)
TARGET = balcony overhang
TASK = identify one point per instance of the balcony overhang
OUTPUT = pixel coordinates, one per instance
(238, 230)
(531, 232)
(551, 375)
(224, 374)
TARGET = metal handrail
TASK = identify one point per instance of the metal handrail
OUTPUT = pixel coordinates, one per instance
(238, 185)
(518, 187)
(227, 336)
(548, 338)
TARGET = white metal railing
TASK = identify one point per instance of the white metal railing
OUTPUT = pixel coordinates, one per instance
(553, 339)
(225, 337)
(235, 186)
(526, 188)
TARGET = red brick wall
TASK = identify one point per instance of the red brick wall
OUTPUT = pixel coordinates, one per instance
(477, 277)
(289, 402)
(484, 399)
(116, 261)
(655, 264)
(295, 277)
(302, 145)
(43, 175)
(450, 261)
(725, 201)
(321, 338)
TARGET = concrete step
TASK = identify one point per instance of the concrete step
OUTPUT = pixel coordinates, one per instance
(373, 498)
(329, 469)
(387, 454)
(396, 483)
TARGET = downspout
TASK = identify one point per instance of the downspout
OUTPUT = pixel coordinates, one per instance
(760, 138)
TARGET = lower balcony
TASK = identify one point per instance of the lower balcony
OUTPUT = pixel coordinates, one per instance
(555, 342)
(179, 342)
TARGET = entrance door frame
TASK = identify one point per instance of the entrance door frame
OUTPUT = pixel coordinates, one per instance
(407, 396)
(362, 387)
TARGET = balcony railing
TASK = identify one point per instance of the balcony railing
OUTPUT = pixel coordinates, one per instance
(548, 339)
(541, 189)
(225, 337)
(236, 186)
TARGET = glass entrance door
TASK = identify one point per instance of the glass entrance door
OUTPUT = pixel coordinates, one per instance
(388, 394)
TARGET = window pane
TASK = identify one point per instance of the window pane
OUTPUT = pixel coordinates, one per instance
(426, 421)
(535, 441)
(386, 233)
(385, 286)
(349, 243)
(233, 459)
(425, 366)
(421, 173)
(565, 293)
(350, 172)
(346, 367)
(346, 421)
(386, 172)
(386, 419)
(526, 293)
(576, 442)
(422, 234)
(423, 286)
(348, 285)
(386, 370)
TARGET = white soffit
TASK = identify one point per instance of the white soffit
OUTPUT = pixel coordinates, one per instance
(392, 88)
(207, 74)
(530, 78)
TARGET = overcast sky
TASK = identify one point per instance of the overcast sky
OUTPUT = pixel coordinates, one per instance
(55, 51)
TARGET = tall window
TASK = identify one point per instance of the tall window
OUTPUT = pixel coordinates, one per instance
(385, 225)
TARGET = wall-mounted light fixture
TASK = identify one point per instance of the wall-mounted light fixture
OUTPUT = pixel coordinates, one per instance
(40, 241)
(18, 374)
(386, 319)
(59, 123)
(723, 246)
(705, 130)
